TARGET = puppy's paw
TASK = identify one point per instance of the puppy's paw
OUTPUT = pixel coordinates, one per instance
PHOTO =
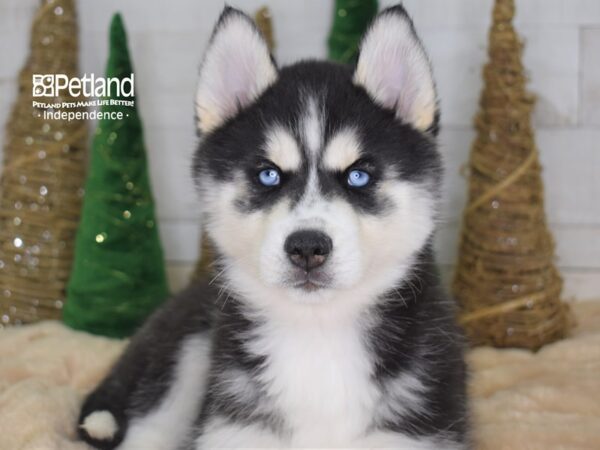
(100, 425)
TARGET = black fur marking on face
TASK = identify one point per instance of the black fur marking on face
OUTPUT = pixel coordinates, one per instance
(393, 148)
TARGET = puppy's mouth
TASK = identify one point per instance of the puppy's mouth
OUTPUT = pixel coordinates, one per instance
(310, 281)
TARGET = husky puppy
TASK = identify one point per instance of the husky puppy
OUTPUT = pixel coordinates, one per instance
(328, 329)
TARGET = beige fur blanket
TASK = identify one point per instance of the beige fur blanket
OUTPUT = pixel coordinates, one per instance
(520, 400)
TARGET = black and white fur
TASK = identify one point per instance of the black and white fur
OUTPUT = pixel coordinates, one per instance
(359, 352)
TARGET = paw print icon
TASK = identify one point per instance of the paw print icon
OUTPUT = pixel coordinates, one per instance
(43, 85)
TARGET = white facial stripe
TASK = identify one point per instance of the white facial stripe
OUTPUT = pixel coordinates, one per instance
(282, 149)
(312, 128)
(311, 194)
(342, 151)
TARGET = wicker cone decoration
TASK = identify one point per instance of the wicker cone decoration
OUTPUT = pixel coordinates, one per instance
(205, 265)
(41, 184)
(264, 22)
(506, 283)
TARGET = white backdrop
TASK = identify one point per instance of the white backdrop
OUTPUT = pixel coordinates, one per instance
(167, 40)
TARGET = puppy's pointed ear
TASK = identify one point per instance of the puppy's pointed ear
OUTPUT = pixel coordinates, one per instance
(236, 70)
(395, 70)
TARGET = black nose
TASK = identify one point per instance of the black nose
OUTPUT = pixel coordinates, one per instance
(308, 249)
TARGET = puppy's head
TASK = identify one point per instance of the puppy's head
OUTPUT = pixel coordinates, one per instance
(319, 182)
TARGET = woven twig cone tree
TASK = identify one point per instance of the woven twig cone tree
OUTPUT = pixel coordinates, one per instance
(264, 22)
(506, 282)
(40, 187)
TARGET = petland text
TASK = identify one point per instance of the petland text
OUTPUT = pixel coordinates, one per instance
(53, 85)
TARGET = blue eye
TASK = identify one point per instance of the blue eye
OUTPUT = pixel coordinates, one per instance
(269, 177)
(358, 178)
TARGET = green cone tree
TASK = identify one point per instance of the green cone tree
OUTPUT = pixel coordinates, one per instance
(118, 276)
(350, 20)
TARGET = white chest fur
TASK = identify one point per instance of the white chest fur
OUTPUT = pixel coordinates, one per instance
(318, 377)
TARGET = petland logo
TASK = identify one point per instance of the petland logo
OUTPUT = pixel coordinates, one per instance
(54, 85)
(101, 91)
